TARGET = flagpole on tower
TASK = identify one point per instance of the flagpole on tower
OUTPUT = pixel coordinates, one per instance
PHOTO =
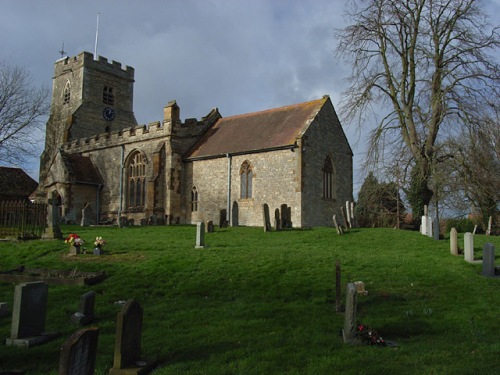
(96, 37)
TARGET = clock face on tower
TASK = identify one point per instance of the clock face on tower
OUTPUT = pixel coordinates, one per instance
(108, 114)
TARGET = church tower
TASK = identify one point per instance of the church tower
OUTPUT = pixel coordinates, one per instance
(89, 97)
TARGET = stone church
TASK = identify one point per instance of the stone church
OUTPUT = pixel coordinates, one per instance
(97, 159)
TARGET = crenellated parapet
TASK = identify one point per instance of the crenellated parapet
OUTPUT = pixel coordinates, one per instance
(101, 63)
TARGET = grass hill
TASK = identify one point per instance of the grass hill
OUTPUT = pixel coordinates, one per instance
(264, 303)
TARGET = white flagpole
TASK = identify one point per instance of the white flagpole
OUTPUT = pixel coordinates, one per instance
(96, 37)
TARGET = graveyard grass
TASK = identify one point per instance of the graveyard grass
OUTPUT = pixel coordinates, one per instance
(264, 303)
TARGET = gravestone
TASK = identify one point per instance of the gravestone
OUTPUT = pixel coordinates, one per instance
(144, 222)
(78, 353)
(490, 222)
(344, 217)
(453, 241)
(210, 226)
(352, 215)
(223, 218)
(469, 247)
(266, 218)
(86, 215)
(53, 231)
(289, 223)
(348, 214)
(4, 309)
(424, 225)
(339, 231)
(284, 216)
(235, 215)
(85, 313)
(277, 220)
(489, 260)
(430, 226)
(28, 315)
(200, 235)
(435, 229)
(349, 331)
(127, 357)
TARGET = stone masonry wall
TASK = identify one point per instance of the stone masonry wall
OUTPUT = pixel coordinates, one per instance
(318, 142)
(274, 182)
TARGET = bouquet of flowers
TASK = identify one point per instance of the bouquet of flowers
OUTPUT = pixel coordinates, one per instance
(74, 240)
(99, 242)
(369, 336)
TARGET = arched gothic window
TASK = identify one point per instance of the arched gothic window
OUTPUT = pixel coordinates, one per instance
(246, 175)
(136, 180)
(67, 93)
(328, 179)
(194, 199)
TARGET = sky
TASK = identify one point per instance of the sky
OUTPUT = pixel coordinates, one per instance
(240, 56)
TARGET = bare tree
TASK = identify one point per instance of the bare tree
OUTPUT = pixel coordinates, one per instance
(23, 108)
(425, 65)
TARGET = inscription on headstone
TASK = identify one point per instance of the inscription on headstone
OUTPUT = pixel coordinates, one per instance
(78, 354)
(85, 313)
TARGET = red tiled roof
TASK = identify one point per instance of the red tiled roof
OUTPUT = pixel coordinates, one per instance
(255, 131)
(15, 182)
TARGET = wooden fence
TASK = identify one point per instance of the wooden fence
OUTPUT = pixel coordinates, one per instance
(21, 219)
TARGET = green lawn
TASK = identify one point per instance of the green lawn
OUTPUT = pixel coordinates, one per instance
(264, 303)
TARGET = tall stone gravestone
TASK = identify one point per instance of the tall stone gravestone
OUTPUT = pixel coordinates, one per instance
(78, 354)
(277, 220)
(53, 231)
(344, 217)
(336, 224)
(348, 214)
(435, 229)
(85, 313)
(223, 218)
(469, 247)
(430, 226)
(200, 235)
(28, 315)
(127, 358)
(349, 331)
(266, 218)
(488, 260)
(453, 241)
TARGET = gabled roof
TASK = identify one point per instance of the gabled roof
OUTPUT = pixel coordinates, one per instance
(81, 169)
(257, 131)
(15, 182)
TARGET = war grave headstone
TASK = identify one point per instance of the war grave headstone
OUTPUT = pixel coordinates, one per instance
(78, 353)
(200, 235)
(453, 241)
(85, 313)
(266, 218)
(489, 269)
(29, 314)
(127, 357)
(468, 247)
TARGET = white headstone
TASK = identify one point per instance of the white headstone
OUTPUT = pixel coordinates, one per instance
(429, 226)
(468, 247)
(423, 226)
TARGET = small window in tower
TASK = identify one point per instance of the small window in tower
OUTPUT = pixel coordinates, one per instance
(108, 97)
(67, 93)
